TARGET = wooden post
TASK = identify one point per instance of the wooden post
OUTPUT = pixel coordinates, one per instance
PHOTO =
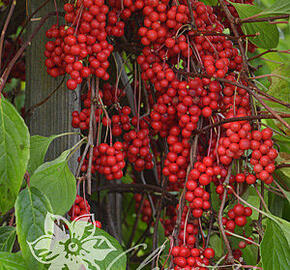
(54, 116)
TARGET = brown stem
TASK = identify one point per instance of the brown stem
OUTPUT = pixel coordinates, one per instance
(262, 203)
(241, 237)
(263, 19)
(12, 219)
(191, 13)
(158, 214)
(19, 53)
(220, 216)
(27, 178)
(261, 196)
(136, 222)
(236, 34)
(5, 28)
(283, 165)
(33, 107)
(137, 188)
(234, 119)
(266, 75)
(94, 88)
(29, 19)
(279, 22)
(193, 155)
(280, 188)
(265, 52)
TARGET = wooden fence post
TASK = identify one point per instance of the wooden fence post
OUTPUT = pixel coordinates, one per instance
(54, 116)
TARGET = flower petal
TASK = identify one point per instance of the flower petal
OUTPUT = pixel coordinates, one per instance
(82, 226)
(41, 248)
(97, 247)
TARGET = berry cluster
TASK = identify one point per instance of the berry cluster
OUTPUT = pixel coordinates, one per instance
(146, 210)
(237, 216)
(80, 49)
(109, 160)
(175, 42)
(186, 258)
(81, 208)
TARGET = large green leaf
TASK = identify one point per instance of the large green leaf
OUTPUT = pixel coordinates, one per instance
(280, 85)
(31, 208)
(56, 181)
(275, 251)
(38, 149)
(284, 226)
(276, 204)
(7, 238)
(279, 7)
(268, 33)
(11, 261)
(14, 154)
(250, 254)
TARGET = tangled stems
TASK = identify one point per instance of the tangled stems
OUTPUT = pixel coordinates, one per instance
(230, 257)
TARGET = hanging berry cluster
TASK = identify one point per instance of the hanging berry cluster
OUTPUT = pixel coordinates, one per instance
(190, 76)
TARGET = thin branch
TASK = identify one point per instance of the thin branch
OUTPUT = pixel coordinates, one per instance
(5, 28)
(261, 197)
(267, 75)
(191, 13)
(19, 53)
(235, 119)
(220, 216)
(138, 188)
(236, 34)
(33, 107)
(265, 52)
(136, 222)
(241, 237)
(267, 19)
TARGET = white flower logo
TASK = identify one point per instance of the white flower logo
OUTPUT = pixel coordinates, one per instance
(78, 249)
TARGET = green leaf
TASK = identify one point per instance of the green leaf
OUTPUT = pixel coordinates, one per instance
(275, 251)
(14, 154)
(116, 259)
(276, 204)
(216, 243)
(31, 208)
(7, 238)
(210, 2)
(55, 180)
(250, 253)
(280, 87)
(252, 198)
(284, 226)
(279, 7)
(11, 261)
(269, 35)
(216, 202)
(127, 179)
(38, 149)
